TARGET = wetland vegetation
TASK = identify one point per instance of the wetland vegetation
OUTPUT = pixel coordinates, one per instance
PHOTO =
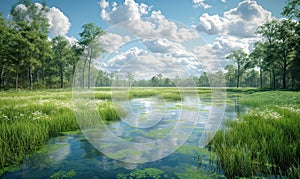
(259, 143)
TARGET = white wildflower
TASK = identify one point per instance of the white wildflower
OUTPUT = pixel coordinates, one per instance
(292, 109)
(38, 115)
(5, 117)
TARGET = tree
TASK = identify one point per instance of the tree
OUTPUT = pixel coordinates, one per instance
(269, 31)
(285, 43)
(91, 46)
(168, 82)
(279, 46)
(31, 28)
(258, 56)
(230, 75)
(155, 81)
(5, 36)
(240, 59)
(130, 78)
(62, 55)
(292, 10)
(203, 80)
(31, 14)
(251, 78)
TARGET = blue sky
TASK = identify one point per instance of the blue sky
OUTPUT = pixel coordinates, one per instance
(225, 25)
(80, 12)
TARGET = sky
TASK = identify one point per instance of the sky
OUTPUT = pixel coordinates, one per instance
(224, 25)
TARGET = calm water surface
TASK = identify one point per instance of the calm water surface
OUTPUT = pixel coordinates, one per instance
(74, 156)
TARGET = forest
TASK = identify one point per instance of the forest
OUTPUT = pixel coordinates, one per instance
(29, 59)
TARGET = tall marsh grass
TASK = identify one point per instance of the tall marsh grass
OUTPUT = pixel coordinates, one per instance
(28, 119)
(265, 142)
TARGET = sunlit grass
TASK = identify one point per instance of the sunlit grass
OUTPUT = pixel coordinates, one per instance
(263, 142)
(29, 118)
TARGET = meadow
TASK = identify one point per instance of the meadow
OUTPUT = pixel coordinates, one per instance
(29, 118)
(262, 142)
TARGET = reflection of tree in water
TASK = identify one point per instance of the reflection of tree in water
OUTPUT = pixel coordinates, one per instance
(90, 151)
(237, 105)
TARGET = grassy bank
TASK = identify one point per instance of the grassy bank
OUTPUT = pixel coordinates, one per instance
(29, 118)
(264, 141)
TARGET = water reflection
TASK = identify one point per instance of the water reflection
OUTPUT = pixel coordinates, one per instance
(75, 152)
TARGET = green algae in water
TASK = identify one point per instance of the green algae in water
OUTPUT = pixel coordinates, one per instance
(157, 133)
(51, 148)
(63, 174)
(150, 173)
(194, 173)
(188, 150)
(123, 153)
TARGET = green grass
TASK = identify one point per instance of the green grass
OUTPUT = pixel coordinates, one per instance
(263, 142)
(29, 118)
(171, 93)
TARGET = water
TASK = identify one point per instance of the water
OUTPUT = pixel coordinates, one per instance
(74, 156)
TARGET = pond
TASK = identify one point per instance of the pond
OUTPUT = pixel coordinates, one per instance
(74, 155)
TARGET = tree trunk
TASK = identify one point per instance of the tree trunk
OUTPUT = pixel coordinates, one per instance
(61, 77)
(260, 78)
(238, 78)
(83, 73)
(30, 79)
(37, 77)
(17, 79)
(43, 76)
(89, 72)
(2, 78)
(73, 75)
(274, 78)
(270, 78)
(284, 79)
(284, 75)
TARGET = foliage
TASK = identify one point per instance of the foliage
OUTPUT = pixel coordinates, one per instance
(241, 61)
(91, 47)
(62, 56)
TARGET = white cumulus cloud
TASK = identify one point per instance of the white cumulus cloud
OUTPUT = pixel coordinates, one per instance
(224, 45)
(131, 15)
(130, 10)
(200, 3)
(241, 21)
(59, 23)
(111, 42)
(147, 63)
(103, 4)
